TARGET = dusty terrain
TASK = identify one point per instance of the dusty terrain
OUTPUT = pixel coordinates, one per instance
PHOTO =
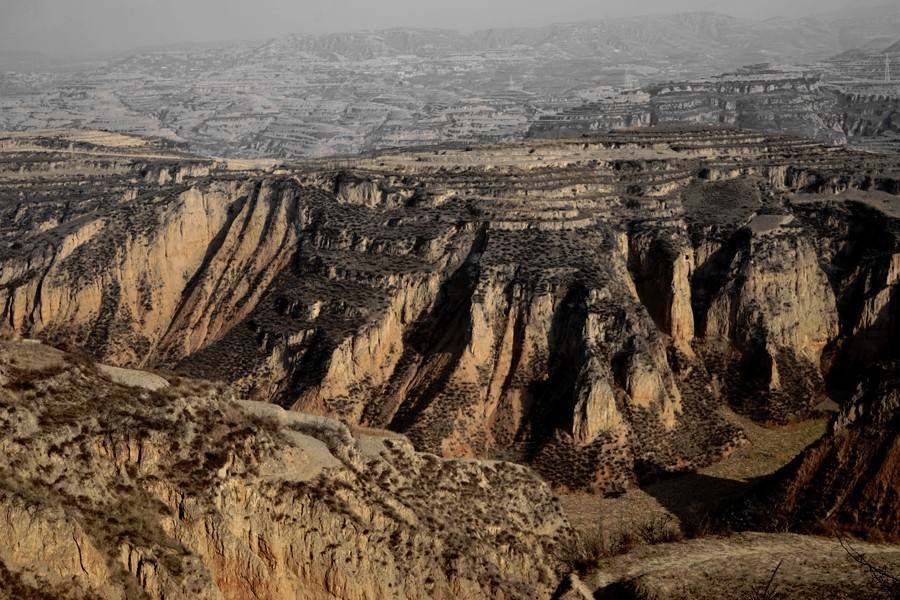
(301, 95)
(113, 490)
(586, 306)
(852, 474)
(845, 100)
(673, 503)
(675, 538)
(620, 312)
(741, 566)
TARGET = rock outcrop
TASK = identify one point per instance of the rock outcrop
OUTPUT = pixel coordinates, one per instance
(116, 491)
(584, 306)
(787, 102)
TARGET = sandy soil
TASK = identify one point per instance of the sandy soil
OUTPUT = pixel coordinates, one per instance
(133, 378)
(736, 566)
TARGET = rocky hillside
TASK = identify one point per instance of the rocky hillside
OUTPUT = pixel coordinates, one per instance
(787, 102)
(344, 93)
(850, 477)
(801, 104)
(870, 116)
(120, 484)
(585, 306)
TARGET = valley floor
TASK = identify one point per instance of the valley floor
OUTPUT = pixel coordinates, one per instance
(628, 535)
(694, 494)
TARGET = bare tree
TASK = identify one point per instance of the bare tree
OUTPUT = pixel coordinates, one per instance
(885, 580)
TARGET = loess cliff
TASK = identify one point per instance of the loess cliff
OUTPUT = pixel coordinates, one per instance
(590, 307)
(123, 484)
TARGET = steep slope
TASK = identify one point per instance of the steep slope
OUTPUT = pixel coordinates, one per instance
(585, 306)
(851, 476)
(114, 490)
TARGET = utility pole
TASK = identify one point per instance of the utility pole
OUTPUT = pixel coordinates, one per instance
(887, 69)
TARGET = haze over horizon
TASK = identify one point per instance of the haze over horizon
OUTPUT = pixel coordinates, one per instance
(90, 26)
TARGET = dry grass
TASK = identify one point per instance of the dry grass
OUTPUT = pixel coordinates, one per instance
(769, 448)
(377, 432)
(743, 566)
(687, 501)
(590, 546)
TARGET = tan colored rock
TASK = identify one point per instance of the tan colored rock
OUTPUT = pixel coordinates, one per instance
(596, 411)
(588, 303)
(184, 493)
(781, 312)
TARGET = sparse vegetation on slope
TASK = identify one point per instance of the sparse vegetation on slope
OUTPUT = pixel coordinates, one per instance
(123, 492)
(585, 306)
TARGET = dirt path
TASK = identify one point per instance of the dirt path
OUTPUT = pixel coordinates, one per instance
(732, 567)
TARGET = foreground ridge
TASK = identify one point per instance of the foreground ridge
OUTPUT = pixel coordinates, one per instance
(124, 484)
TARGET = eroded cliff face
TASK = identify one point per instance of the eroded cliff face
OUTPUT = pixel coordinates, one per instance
(583, 306)
(778, 311)
(116, 491)
(785, 102)
(871, 119)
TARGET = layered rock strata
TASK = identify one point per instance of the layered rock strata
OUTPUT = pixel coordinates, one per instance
(862, 115)
(586, 306)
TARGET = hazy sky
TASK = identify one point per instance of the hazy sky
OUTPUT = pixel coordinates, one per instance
(81, 26)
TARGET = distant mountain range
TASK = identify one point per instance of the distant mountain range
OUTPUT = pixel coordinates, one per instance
(869, 63)
(691, 37)
(301, 95)
(694, 36)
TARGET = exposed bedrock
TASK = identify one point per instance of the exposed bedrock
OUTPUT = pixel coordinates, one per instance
(585, 306)
(662, 262)
(782, 102)
(113, 491)
(772, 314)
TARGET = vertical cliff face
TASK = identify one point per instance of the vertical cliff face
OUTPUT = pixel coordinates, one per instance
(121, 492)
(115, 284)
(517, 330)
(584, 306)
(779, 311)
(239, 264)
(662, 262)
(858, 242)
